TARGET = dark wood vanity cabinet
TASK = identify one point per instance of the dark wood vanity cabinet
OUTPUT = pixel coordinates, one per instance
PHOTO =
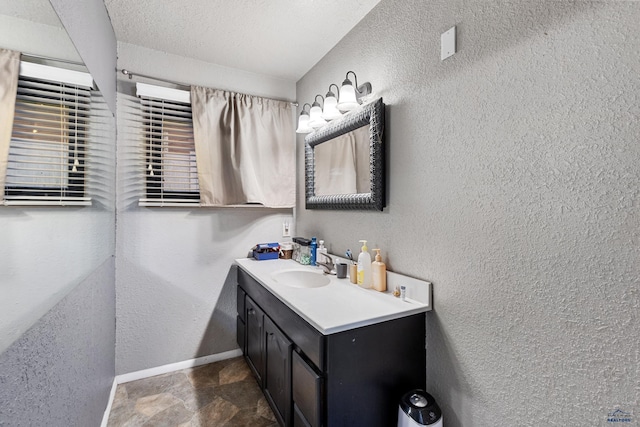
(349, 378)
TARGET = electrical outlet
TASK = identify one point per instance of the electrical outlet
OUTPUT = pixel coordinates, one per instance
(286, 229)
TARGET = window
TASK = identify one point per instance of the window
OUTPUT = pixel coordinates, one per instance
(171, 177)
(48, 148)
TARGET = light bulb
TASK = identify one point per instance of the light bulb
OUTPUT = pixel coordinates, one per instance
(303, 123)
(348, 99)
(315, 119)
(330, 111)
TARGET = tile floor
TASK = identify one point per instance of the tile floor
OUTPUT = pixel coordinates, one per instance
(221, 394)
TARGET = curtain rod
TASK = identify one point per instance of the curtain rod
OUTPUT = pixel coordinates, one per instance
(48, 58)
(131, 74)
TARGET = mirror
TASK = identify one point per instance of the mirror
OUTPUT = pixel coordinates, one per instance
(344, 161)
(33, 28)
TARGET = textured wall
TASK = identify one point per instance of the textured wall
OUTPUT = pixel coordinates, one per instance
(513, 185)
(191, 71)
(35, 38)
(60, 372)
(173, 300)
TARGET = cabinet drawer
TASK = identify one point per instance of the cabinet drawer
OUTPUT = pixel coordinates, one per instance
(306, 393)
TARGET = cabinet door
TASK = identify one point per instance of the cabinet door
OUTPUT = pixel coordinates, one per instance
(241, 319)
(240, 334)
(277, 377)
(254, 329)
(306, 392)
(240, 297)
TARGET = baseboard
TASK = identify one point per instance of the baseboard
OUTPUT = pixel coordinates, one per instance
(152, 372)
(105, 417)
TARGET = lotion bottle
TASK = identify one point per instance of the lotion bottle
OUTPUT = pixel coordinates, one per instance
(379, 273)
(364, 266)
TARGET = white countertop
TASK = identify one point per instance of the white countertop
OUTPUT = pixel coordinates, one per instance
(337, 307)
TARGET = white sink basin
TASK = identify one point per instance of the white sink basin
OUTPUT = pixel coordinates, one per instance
(301, 278)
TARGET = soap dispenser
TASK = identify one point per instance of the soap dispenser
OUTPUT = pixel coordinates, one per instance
(379, 273)
(364, 266)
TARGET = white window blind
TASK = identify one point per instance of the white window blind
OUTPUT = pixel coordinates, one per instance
(171, 175)
(48, 152)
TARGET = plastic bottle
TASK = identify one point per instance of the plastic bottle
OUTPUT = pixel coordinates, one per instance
(379, 273)
(321, 250)
(364, 266)
(314, 249)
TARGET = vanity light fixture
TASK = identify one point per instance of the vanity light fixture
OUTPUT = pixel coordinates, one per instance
(315, 118)
(350, 95)
(303, 121)
(330, 111)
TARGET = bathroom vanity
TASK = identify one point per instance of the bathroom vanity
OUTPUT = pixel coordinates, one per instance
(328, 355)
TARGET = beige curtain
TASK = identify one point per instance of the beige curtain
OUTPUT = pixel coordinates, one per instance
(9, 70)
(335, 166)
(342, 164)
(245, 149)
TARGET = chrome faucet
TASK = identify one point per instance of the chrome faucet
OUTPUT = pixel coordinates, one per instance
(327, 267)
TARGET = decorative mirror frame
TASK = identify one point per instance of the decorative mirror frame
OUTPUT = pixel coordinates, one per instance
(371, 114)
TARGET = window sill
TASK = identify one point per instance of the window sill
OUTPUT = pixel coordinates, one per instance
(82, 202)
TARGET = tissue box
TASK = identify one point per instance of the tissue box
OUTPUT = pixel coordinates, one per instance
(263, 251)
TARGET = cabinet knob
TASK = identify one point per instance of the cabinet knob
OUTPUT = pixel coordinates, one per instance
(252, 311)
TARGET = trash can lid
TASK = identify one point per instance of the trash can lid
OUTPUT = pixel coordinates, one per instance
(421, 407)
(418, 400)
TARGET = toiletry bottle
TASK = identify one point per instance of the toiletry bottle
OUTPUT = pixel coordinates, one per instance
(364, 266)
(379, 273)
(314, 249)
(353, 273)
(321, 250)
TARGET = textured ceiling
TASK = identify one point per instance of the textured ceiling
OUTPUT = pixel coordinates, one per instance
(281, 38)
